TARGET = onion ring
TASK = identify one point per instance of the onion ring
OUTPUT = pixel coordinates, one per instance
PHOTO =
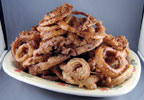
(76, 71)
(47, 28)
(104, 67)
(17, 43)
(29, 35)
(63, 25)
(52, 61)
(58, 14)
(51, 34)
(90, 21)
(119, 42)
(120, 79)
(22, 54)
(32, 61)
(32, 37)
(99, 34)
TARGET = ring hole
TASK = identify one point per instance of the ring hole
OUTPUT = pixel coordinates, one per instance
(77, 66)
(24, 51)
(111, 59)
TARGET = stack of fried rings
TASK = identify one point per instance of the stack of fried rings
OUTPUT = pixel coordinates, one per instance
(71, 49)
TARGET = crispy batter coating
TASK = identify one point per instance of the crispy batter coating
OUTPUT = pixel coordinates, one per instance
(57, 14)
(109, 61)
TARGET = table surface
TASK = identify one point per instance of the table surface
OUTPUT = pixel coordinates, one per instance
(120, 17)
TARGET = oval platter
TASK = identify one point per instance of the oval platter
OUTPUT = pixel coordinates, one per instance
(12, 70)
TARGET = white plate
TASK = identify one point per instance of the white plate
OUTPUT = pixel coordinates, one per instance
(11, 69)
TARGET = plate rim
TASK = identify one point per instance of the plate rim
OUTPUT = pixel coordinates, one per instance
(25, 80)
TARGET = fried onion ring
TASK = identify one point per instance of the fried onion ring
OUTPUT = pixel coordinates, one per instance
(79, 24)
(52, 61)
(119, 42)
(90, 21)
(76, 71)
(107, 68)
(29, 35)
(17, 43)
(51, 34)
(120, 79)
(99, 34)
(32, 61)
(58, 14)
(47, 28)
(23, 52)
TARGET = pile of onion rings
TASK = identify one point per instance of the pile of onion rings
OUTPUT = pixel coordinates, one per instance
(75, 50)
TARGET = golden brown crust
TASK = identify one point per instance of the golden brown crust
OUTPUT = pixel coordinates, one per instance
(120, 79)
(76, 71)
(57, 14)
(119, 42)
(105, 67)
